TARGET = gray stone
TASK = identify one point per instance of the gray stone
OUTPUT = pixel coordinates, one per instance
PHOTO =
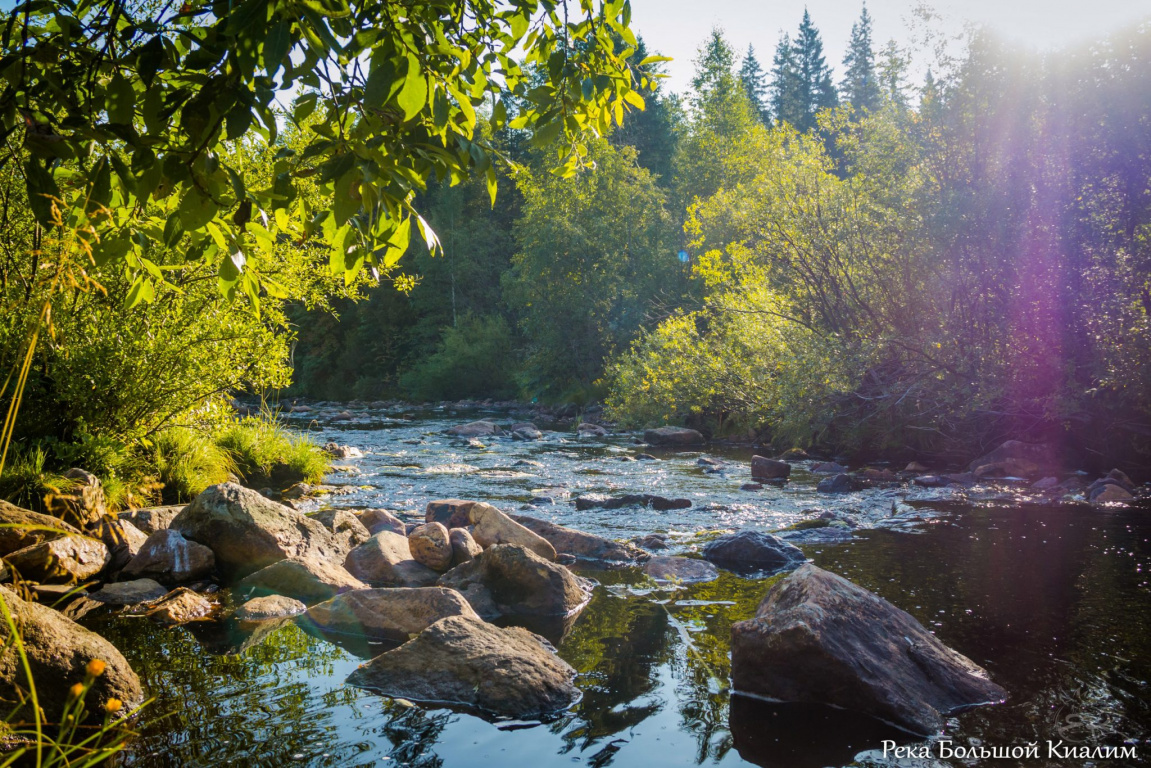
(23, 528)
(753, 550)
(475, 429)
(686, 570)
(377, 520)
(269, 607)
(348, 531)
(62, 560)
(585, 546)
(769, 470)
(152, 519)
(388, 614)
(464, 547)
(385, 560)
(309, 580)
(510, 580)
(673, 437)
(171, 559)
(490, 526)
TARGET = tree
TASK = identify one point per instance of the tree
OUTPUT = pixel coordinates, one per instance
(786, 98)
(755, 84)
(892, 70)
(801, 84)
(860, 86)
(655, 131)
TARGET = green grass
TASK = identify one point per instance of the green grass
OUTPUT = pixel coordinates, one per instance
(187, 461)
(26, 480)
(264, 452)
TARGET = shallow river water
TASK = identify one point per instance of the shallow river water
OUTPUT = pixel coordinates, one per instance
(1054, 601)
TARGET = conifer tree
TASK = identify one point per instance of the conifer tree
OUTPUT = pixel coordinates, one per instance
(892, 72)
(754, 83)
(802, 82)
(860, 86)
(786, 101)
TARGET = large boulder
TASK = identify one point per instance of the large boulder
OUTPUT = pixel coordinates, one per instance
(508, 672)
(673, 437)
(385, 560)
(752, 550)
(510, 580)
(1017, 459)
(491, 526)
(58, 652)
(21, 528)
(152, 519)
(309, 580)
(582, 545)
(248, 532)
(64, 560)
(769, 470)
(388, 614)
(170, 558)
(818, 638)
(122, 539)
(82, 503)
(475, 429)
(1109, 492)
(450, 513)
(430, 544)
(464, 547)
(348, 531)
(376, 520)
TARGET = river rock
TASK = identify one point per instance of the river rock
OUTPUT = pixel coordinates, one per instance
(129, 592)
(58, 651)
(511, 580)
(475, 429)
(348, 531)
(23, 528)
(82, 503)
(916, 467)
(673, 437)
(509, 672)
(769, 470)
(586, 429)
(385, 560)
(873, 475)
(248, 532)
(389, 614)
(450, 513)
(1110, 493)
(152, 519)
(526, 432)
(583, 545)
(430, 545)
(1121, 478)
(1016, 459)
(376, 520)
(180, 606)
(464, 547)
(122, 539)
(660, 503)
(170, 558)
(310, 580)
(337, 451)
(653, 542)
(754, 550)
(1045, 484)
(818, 638)
(685, 570)
(63, 560)
(491, 526)
(841, 483)
(269, 607)
(828, 468)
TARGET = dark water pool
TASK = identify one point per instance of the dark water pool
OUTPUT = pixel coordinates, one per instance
(1055, 601)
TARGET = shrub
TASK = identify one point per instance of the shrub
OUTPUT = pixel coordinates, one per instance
(474, 359)
(187, 461)
(264, 452)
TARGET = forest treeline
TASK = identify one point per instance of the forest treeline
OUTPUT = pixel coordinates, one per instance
(874, 264)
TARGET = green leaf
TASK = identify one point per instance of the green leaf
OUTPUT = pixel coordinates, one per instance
(382, 83)
(119, 100)
(492, 184)
(41, 187)
(547, 134)
(239, 120)
(196, 209)
(276, 45)
(413, 96)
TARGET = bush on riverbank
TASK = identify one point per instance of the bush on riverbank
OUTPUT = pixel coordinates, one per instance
(264, 452)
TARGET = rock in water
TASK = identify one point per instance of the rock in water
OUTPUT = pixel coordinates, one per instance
(269, 607)
(129, 592)
(492, 527)
(1017, 459)
(389, 614)
(58, 651)
(841, 483)
(248, 532)
(170, 558)
(754, 550)
(587, 429)
(310, 580)
(430, 545)
(64, 560)
(769, 470)
(475, 429)
(582, 545)
(686, 570)
(673, 437)
(818, 638)
(510, 580)
(1110, 493)
(460, 661)
(385, 560)
(179, 607)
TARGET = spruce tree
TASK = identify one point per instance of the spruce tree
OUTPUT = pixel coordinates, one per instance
(860, 86)
(754, 83)
(801, 79)
(786, 100)
(892, 74)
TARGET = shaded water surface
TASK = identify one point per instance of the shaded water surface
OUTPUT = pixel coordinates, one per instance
(1054, 601)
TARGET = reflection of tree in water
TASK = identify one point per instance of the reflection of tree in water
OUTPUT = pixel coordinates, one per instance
(413, 732)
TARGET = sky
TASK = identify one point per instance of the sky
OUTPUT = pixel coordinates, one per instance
(677, 27)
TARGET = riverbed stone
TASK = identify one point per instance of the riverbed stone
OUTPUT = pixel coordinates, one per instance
(818, 638)
(62, 560)
(660, 503)
(673, 437)
(490, 526)
(152, 519)
(1015, 458)
(475, 429)
(587, 429)
(248, 532)
(828, 468)
(348, 531)
(1110, 493)
(585, 546)
(841, 483)
(337, 451)
(170, 558)
(430, 544)
(309, 580)
(508, 672)
(685, 570)
(129, 592)
(376, 520)
(385, 560)
(753, 550)
(769, 470)
(450, 513)
(526, 432)
(122, 539)
(388, 614)
(23, 528)
(269, 607)
(511, 580)
(58, 652)
(180, 606)
(464, 547)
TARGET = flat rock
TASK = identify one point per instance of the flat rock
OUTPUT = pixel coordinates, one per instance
(508, 672)
(818, 638)
(510, 580)
(753, 550)
(385, 560)
(170, 558)
(269, 607)
(673, 437)
(62, 560)
(430, 545)
(310, 580)
(377, 520)
(686, 570)
(582, 545)
(389, 614)
(248, 532)
(25, 528)
(129, 592)
(152, 519)
(490, 526)
(768, 470)
(180, 606)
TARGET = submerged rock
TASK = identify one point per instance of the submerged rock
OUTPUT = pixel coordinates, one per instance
(179, 607)
(23, 528)
(686, 570)
(841, 483)
(460, 661)
(511, 580)
(62, 560)
(129, 592)
(310, 580)
(753, 550)
(389, 614)
(385, 560)
(660, 503)
(430, 544)
(170, 558)
(818, 638)
(58, 652)
(769, 470)
(582, 545)
(269, 607)
(490, 526)
(248, 532)
(475, 429)
(673, 437)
